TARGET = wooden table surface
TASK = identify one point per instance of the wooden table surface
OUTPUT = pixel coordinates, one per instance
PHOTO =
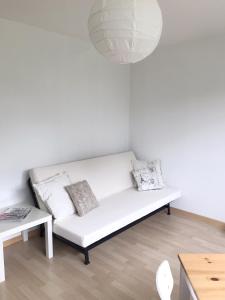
(206, 273)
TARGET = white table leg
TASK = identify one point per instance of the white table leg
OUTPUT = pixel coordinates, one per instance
(48, 239)
(24, 234)
(184, 290)
(2, 265)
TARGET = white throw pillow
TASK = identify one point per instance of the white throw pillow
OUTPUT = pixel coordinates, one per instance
(54, 195)
(148, 176)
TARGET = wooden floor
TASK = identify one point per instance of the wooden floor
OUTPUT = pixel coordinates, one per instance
(122, 268)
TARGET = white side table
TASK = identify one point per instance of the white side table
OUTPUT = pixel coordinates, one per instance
(35, 218)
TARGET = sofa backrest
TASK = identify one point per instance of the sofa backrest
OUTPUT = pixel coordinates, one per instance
(106, 175)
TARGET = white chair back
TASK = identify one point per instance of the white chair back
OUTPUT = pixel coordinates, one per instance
(164, 281)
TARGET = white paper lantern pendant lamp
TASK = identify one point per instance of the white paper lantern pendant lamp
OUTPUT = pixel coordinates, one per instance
(125, 31)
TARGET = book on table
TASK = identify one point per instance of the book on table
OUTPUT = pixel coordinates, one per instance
(14, 214)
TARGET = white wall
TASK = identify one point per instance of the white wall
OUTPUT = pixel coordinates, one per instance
(59, 101)
(178, 115)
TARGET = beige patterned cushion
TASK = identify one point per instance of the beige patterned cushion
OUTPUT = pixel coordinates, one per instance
(82, 196)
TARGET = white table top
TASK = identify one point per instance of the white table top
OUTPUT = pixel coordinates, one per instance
(35, 217)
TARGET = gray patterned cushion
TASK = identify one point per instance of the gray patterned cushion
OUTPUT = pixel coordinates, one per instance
(148, 176)
(82, 196)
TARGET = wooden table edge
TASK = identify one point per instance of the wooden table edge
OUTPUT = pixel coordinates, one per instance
(186, 274)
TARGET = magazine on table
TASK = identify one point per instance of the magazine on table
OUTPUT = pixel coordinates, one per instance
(14, 213)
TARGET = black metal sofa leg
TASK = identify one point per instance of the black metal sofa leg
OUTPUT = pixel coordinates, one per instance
(168, 210)
(86, 257)
(42, 230)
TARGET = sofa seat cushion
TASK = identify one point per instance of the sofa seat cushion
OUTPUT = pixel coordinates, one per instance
(113, 213)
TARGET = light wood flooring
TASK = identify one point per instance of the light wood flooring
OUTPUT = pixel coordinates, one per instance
(122, 268)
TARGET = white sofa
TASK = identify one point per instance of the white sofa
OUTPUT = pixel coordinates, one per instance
(121, 205)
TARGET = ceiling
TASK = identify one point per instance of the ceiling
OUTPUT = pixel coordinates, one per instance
(183, 19)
